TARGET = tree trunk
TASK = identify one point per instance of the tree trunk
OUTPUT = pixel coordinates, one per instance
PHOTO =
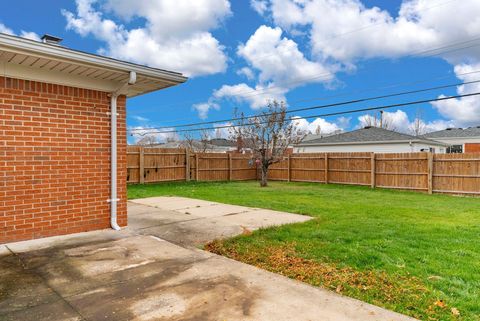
(263, 182)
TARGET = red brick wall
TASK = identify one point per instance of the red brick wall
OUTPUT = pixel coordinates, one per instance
(55, 160)
(472, 148)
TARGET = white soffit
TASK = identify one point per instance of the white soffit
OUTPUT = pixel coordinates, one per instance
(32, 60)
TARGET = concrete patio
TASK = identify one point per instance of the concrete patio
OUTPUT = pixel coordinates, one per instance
(152, 271)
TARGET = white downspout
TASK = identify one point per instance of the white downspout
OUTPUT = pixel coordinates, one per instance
(113, 164)
(113, 152)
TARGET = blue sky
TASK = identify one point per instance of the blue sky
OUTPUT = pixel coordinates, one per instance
(241, 53)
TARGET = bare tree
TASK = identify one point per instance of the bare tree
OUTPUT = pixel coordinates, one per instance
(147, 140)
(201, 145)
(418, 127)
(204, 141)
(188, 142)
(268, 134)
(380, 120)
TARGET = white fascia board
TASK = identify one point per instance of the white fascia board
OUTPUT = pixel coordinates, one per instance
(58, 53)
(473, 138)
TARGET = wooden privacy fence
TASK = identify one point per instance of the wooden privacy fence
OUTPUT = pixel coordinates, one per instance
(432, 173)
(151, 165)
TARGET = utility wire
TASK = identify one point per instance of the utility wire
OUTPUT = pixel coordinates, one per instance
(360, 29)
(349, 102)
(344, 94)
(328, 75)
(323, 115)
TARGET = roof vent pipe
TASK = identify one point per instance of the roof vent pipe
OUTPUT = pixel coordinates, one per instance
(52, 40)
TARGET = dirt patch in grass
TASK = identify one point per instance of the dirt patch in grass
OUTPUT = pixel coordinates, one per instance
(402, 293)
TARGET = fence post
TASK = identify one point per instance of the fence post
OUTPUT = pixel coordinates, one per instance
(326, 168)
(187, 165)
(141, 165)
(229, 166)
(430, 173)
(372, 166)
(196, 167)
(289, 168)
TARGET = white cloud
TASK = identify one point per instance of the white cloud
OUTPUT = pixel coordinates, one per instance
(344, 122)
(281, 67)
(140, 118)
(30, 35)
(140, 132)
(247, 72)
(25, 34)
(463, 111)
(346, 31)
(175, 35)
(257, 97)
(399, 121)
(342, 33)
(279, 60)
(5, 29)
(204, 108)
(317, 126)
(226, 133)
(260, 6)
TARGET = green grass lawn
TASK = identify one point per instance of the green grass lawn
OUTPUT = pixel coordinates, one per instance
(413, 253)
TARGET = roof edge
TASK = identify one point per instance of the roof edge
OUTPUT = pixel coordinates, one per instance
(376, 142)
(22, 45)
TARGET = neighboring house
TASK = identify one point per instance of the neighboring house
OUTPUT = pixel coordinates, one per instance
(223, 142)
(195, 145)
(217, 145)
(370, 139)
(317, 136)
(460, 140)
(63, 137)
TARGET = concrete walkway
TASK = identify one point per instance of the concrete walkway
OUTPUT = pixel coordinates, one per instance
(191, 222)
(135, 275)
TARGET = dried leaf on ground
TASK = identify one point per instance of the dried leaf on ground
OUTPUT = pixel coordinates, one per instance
(455, 311)
(440, 303)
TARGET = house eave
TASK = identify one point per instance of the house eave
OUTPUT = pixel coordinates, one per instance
(32, 60)
(375, 143)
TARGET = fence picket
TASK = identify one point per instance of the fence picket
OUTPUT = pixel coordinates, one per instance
(431, 173)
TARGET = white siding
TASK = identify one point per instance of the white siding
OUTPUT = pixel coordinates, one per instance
(459, 141)
(373, 148)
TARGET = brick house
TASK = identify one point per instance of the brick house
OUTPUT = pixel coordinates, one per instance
(63, 137)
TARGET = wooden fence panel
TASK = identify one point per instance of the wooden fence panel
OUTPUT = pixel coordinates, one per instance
(213, 167)
(133, 164)
(164, 165)
(348, 168)
(243, 167)
(402, 171)
(307, 167)
(438, 173)
(278, 171)
(456, 173)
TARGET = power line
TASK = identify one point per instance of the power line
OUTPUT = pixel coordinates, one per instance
(349, 102)
(344, 94)
(422, 53)
(324, 115)
(360, 29)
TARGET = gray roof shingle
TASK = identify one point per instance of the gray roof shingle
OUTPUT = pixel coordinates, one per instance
(455, 132)
(367, 134)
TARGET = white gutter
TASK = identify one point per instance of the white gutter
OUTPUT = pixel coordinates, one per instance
(44, 50)
(113, 151)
